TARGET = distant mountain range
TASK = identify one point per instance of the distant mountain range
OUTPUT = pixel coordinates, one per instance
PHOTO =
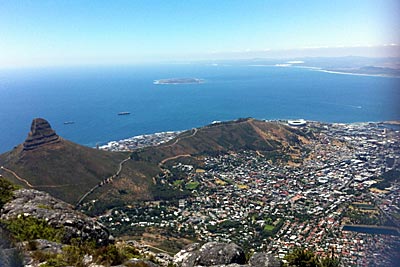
(47, 162)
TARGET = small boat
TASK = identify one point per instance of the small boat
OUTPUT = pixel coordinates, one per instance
(124, 113)
(69, 122)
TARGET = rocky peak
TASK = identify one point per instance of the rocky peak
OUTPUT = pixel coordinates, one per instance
(41, 134)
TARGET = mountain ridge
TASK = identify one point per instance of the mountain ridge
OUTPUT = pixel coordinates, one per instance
(69, 171)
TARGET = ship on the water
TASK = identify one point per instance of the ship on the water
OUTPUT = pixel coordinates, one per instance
(124, 113)
(69, 122)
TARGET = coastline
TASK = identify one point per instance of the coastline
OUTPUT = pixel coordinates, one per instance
(155, 139)
(290, 65)
(140, 141)
(356, 74)
(228, 93)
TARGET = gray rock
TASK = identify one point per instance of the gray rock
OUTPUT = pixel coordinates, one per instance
(212, 253)
(44, 245)
(57, 213)
(11, 257)
(138, 262)
(262, 259)
(188, 255)
(230, 265)
(87, 259)
(9, 254)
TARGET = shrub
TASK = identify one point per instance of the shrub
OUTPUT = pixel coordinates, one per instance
(6, 191)
(25, 228)
(301, 257)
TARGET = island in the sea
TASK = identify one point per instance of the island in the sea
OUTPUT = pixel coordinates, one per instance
(179, 81)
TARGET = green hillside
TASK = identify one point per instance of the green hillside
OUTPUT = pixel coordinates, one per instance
(245, 134)
(65, 170)
(69, 171)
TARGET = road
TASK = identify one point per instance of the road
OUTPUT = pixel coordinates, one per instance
(174, 157)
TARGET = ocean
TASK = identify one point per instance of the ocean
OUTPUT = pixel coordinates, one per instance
(93, 96)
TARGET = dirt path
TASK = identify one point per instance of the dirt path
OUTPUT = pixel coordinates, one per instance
(159, 249)
(105, 181)
(195, 130)
(36, 186)
(17, 176)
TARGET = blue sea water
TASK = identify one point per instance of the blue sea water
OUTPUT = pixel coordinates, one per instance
(92, 97)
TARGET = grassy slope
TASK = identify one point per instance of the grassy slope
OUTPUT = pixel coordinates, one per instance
(66, 170)
(233, 136)
(135, 183)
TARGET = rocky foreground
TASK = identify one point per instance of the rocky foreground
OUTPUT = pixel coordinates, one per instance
(221, 254)
(58, 214)
(29, 203)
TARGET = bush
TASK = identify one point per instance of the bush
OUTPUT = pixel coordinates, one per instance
(25, 228)
(6, 191)
(301, 257)
(74, 254)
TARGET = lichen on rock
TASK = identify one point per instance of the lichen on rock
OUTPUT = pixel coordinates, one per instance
(57, 214)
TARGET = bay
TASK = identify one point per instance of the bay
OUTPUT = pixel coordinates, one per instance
(93, 96)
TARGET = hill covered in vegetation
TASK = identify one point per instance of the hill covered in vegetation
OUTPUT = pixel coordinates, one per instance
(71, 172)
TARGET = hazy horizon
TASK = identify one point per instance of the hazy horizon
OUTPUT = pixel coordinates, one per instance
(64, 33)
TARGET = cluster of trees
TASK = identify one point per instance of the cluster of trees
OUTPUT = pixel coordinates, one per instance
(388, 178)
(357, 217)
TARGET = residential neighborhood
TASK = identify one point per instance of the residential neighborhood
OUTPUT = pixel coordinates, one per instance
(264, 204)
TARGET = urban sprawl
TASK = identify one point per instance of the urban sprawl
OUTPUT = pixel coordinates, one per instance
(267, 205)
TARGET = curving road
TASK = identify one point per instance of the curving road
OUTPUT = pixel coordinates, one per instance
(174, 157)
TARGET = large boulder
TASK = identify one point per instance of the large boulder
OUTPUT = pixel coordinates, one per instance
(210, 254)
(261, 259)
(56, 213)
(139, 262)
(9, 254)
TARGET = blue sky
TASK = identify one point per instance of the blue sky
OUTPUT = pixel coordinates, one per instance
(36, 33)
